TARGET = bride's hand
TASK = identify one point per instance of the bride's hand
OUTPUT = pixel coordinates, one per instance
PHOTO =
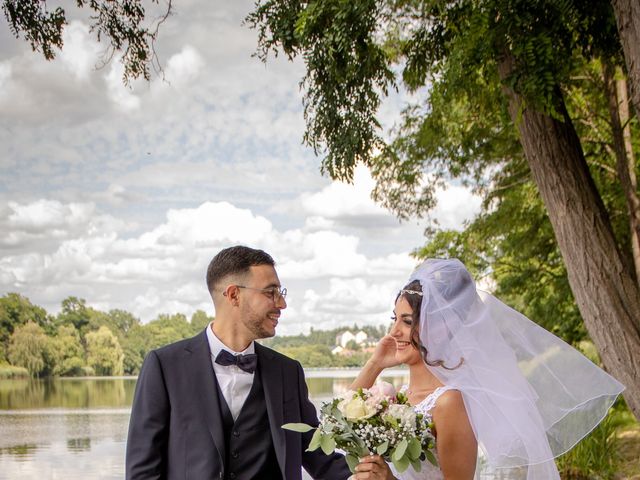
(385, 353)
(373, 467)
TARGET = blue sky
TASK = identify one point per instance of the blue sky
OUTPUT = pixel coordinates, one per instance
(122, 195)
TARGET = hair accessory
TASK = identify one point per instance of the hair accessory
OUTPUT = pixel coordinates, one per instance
(411, 292)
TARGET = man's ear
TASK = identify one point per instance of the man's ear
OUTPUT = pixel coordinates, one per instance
(231, 293)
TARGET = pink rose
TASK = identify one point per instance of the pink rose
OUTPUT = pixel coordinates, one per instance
(383, 388)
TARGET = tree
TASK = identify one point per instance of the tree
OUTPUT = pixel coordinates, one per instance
(120, 23)
(504, 62)
(628, 20)
(15, 311)
(104, 353)
(199, 321)
(30, 348)
(74, 312)
(68, 352)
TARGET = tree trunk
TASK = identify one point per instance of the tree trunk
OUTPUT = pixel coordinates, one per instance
(627, 14)
(616, 91)
(602, 283)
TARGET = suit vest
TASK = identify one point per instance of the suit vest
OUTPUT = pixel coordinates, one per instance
(249, 445)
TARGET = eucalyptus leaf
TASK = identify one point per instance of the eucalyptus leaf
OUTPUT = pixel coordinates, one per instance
(401, 464)
(414, 449)
(297, 427)
(398, 453)
(382, 448)
(328, 444)
(352, 461)
(416, 464)
(314, 444)
(431, 457)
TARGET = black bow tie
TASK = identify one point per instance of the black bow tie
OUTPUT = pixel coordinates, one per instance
(246, 362)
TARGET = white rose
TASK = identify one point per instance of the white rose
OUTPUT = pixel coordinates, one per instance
(356, 409)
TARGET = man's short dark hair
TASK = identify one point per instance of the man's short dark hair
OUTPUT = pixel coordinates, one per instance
(233, 261)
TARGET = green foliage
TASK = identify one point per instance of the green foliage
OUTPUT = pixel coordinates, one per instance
(74, 312)
(8, 372)
(346, 72)
(121, 23)
(30, 348)
(104, 353)
(199, 321)
(322, 337)
(68, 352)
(16, 310)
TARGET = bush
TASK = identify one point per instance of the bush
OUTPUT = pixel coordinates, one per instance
(9, 371)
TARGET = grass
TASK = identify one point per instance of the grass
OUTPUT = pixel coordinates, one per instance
(629, 451)
(610, 452)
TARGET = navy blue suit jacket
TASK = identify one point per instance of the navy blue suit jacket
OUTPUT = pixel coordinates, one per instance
(176, 432)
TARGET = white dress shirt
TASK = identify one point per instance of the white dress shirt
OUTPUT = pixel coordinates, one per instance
(234, 382)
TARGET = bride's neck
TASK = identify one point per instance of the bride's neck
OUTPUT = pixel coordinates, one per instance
(421, 378)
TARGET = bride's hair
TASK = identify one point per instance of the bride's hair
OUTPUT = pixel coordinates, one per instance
(412, 293)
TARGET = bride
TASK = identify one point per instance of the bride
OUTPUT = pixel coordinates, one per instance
(505, 396)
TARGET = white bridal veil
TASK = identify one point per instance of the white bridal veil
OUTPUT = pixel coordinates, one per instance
(529, 395)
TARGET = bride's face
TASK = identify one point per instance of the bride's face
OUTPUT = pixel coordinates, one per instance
(401, 332)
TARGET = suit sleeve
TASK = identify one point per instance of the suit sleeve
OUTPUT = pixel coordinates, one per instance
(319, 465)
(147, 440)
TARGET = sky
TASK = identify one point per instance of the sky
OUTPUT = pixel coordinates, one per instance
(122, 195)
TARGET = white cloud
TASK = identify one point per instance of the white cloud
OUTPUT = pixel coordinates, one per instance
(121, 95)
(184, 66)
(162, 270)
(343, 200)
(456, 204)
(5, 75)
(81, 52)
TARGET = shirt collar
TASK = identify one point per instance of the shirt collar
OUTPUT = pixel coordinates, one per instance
(215, 344)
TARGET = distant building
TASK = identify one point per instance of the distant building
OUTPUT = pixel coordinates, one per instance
(337, 350)
(346, 340)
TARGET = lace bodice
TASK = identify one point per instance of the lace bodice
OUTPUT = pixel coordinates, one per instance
(428, 471)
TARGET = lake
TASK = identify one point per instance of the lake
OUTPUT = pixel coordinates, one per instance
(76, 428)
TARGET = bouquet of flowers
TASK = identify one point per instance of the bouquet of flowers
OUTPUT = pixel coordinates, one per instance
(376, 420)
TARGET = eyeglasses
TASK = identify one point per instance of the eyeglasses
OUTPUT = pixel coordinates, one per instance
(275, 292)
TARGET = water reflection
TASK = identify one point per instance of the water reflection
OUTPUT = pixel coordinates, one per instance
(66, 393)
(76, 428)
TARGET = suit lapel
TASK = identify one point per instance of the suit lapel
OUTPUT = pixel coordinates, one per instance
(273, 383)
(207, 390)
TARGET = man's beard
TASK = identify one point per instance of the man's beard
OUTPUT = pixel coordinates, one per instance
(255, 324)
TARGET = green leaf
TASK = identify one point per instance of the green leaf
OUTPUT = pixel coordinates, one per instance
(431, 457)
(297, 427)
(401, 464)
(382, 448)
(398, 453)
(414, 449)
(352, 461)
(416, 464)
(328, 444)
(314, 444)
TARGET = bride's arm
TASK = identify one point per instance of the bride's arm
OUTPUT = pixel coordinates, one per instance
(383, 357)
(456, 443)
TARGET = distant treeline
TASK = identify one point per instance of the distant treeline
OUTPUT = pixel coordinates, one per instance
(81, 340)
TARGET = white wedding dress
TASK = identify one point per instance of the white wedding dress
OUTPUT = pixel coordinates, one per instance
(428, 471)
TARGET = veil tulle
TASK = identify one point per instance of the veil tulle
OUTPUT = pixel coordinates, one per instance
(529, 396)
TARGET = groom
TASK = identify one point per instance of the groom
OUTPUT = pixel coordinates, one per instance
(212, 406)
